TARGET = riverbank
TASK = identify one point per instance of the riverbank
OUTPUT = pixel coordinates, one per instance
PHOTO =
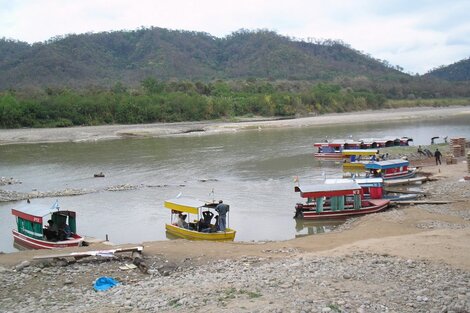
(110, 132)
(406, 259)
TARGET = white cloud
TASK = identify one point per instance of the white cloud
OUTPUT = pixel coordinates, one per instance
(417, 35)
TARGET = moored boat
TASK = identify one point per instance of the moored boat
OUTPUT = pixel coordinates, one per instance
(355, 160)
(373, 188)
(368, 143)
(194, 230)
(335, 200)
(331, 150)
(31, 231)
(390, 169)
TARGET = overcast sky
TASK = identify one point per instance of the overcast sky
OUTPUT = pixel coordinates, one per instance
(417, 35)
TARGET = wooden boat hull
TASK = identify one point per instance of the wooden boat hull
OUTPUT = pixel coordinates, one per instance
(408, 174)
(328, 156)
(32, 243)
(400, 198)
(369, 206)
(405, 181)
(228, 235)
(354, 166)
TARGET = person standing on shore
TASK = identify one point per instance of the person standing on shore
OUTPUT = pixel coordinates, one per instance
(222, 209)
(437, 155)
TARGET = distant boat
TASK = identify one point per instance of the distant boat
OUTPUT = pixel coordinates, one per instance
(373, 143)
(31, 232)
(100, 174)
(331, 150)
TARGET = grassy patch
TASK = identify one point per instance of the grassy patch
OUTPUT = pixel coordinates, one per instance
(174, 303)
(335, 308)
(250, 294)
(232, 293)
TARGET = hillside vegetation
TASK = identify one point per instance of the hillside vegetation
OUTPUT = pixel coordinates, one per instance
(459, 71)
(131, 56)
(160, 75)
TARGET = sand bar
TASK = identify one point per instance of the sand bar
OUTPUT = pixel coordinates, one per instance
(109, 132)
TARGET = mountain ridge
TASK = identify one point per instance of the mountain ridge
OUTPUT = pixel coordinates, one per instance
(103, 58)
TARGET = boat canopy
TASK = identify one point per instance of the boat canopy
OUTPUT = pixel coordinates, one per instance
(36, 213)
(326, 144)
(367, 152)
(380, 165)
(328, 190)
(338, 143)
(387, 141)
(363, 182)
(406, 140)
(370, 181)
(186, 204)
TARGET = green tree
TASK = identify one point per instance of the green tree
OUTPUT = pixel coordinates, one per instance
(10, 111)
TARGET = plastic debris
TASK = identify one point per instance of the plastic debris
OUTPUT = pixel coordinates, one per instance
(104, 283)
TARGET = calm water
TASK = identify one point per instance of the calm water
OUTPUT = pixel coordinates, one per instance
(251, 170)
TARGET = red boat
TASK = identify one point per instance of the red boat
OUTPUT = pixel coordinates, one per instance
(335, 200)
(332, 150)
(32, 233)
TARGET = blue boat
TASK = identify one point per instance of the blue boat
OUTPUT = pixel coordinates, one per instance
(390, 169)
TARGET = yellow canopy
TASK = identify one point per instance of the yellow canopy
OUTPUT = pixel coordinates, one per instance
(360, 152)
(185, 204)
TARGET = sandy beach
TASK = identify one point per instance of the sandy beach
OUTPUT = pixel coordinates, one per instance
(410, 258)
(109, 132)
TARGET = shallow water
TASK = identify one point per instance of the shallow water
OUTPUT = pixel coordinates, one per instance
(251, 170)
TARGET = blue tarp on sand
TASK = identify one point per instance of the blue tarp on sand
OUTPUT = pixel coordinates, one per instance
(104, 283)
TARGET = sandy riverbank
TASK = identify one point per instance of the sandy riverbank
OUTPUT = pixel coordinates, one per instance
(109, 132)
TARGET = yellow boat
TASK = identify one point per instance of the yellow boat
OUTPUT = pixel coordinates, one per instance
(191, 230)
(355, 160)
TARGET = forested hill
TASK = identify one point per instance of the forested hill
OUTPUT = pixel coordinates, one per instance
(459, 71)
(130, 56)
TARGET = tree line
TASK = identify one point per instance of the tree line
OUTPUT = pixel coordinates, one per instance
(160, 101)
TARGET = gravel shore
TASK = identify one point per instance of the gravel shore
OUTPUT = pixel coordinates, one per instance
(358, 282)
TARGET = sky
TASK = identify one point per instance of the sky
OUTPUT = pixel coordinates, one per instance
(417, 35)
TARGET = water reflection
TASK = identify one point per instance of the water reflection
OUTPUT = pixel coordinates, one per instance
(170, 236)
(20, 247)
(307, 227)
